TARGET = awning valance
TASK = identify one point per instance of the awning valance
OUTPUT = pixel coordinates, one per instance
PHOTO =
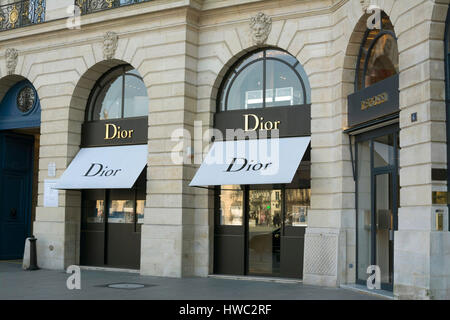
(250, 162)
(105, 168)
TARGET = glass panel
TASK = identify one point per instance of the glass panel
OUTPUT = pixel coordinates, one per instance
(246, 61)
(111, 101)
(283, 85)
(264, 231)
(364, 223)
(281, 55)
(383, 60)
(121, 211)
(140, 205)
(383, 151)
(136, 98)
(246, 92)
(384, 224)
(94, 211)
(231, 206)
(297, 207)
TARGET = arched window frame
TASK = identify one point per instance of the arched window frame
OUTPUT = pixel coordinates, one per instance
(107, 78)
(383, 31)
(237, 68)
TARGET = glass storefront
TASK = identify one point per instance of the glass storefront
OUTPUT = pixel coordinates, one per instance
(265, 225)
(377, 202)
(112, 239)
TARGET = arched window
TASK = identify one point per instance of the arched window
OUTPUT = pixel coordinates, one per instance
(120, 93)
(267, 78)
(378, 56)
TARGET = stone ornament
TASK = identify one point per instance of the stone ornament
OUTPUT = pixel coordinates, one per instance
(261, 25)
(11, 60)
(110, 45)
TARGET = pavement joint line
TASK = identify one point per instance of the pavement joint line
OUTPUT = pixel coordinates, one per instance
(251, 278)
(92, 268)
(367, 291)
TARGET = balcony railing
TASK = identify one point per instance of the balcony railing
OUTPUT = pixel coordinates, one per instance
(21, 13)
(91, 6)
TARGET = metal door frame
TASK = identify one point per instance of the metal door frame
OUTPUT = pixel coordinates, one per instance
(244, 229)
(393, 170)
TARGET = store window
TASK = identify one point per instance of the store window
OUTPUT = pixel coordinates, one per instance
(378, 56)
(116, 124)
(120, 93)
(267, 78)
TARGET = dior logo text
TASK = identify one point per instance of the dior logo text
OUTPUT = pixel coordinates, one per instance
(97, 169)
(253, 123)
(114, 132)
(246, 165)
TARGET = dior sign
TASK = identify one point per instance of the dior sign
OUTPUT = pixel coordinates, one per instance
(253, 123)
(243, 164)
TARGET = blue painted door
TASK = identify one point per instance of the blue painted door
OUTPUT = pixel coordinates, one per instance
(16, 173)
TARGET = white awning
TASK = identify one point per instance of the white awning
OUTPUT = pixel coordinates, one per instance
(247, 162)
(105, 168)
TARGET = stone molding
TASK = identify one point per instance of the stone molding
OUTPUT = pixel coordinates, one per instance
(12, 56)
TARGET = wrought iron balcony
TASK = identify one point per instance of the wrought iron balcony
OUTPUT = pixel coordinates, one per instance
(91, 6)
(21, 13)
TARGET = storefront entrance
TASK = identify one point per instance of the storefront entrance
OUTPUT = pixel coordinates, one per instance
(260, 232)
(111, 226)
(377, 202)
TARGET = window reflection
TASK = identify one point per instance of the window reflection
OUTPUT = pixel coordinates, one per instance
(121, 211)
(94, 211)
(383, 149)
(247, 88)
(140, 205)
(378, 55)
(111, 106)
(297, 206)
(383, 60)
(136, 99)
(285, 82)
(283, 85)
(231, 206)
(120, 94)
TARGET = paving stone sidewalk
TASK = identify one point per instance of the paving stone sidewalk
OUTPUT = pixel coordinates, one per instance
(45, 284)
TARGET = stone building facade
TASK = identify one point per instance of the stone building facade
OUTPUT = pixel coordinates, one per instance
(183, 49)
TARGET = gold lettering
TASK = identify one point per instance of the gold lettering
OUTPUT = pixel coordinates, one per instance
(259, 123)
(246, 126)
(374, 101)
(114, 132)
(107, 137)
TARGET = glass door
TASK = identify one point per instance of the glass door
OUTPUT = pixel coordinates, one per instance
(384, 227)
(264, 232)
(377, 202)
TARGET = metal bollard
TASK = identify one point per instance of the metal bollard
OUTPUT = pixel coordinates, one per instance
(33, 255)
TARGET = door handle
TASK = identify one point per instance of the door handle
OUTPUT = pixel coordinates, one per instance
(13, 213)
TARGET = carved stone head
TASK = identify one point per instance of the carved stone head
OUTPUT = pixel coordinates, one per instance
(11, 60)
(261, 26)
(110, 45)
